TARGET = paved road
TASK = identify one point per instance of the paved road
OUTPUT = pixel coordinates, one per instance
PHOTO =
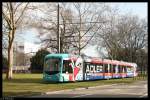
(135, 90)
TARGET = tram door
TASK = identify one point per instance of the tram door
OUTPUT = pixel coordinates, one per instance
(115, 71)
(120, 71)
(107, 71)
(124, 71)
(68, 71)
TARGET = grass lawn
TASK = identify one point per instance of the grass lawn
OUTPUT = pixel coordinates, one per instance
(30, 84)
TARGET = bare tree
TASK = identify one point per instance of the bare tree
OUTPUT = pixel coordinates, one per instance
(77, 28)
(90, 21)
(5, 38)
(68, 29)
(133, 34)
(123, 36)
(12, 14)
(105, 36)
(44, 20)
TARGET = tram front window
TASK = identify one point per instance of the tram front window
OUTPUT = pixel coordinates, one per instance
(52, 66)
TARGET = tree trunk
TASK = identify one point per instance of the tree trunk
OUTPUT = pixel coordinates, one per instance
(10, 62)
(10, 59)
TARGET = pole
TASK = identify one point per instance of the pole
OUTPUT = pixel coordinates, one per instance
(58, 34)
(16, 54)
(80, 36)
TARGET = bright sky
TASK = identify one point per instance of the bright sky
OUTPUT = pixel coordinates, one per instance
(139, 9)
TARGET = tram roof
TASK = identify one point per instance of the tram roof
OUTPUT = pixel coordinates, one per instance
(59, 55)
(108, 61)
(63, 56)
(92, 60)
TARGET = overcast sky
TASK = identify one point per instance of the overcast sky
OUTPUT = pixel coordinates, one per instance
(139, 9)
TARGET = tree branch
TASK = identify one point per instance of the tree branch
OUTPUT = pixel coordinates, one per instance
(21, 13)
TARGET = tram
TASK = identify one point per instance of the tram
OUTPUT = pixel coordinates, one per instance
(65, 68)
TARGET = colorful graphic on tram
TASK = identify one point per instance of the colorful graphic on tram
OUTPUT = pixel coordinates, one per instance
(64, 68)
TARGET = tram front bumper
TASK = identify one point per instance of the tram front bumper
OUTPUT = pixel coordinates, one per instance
(51, 78)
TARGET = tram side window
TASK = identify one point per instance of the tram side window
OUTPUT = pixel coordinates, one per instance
(67, 67)
(99, 68)
(119, 67)
(122, 69)
(114, 68)
(95, 68)
(125, 69)
(92, 67)
(111, 68)
(129, 69)
(106, 68)
(87, 68)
